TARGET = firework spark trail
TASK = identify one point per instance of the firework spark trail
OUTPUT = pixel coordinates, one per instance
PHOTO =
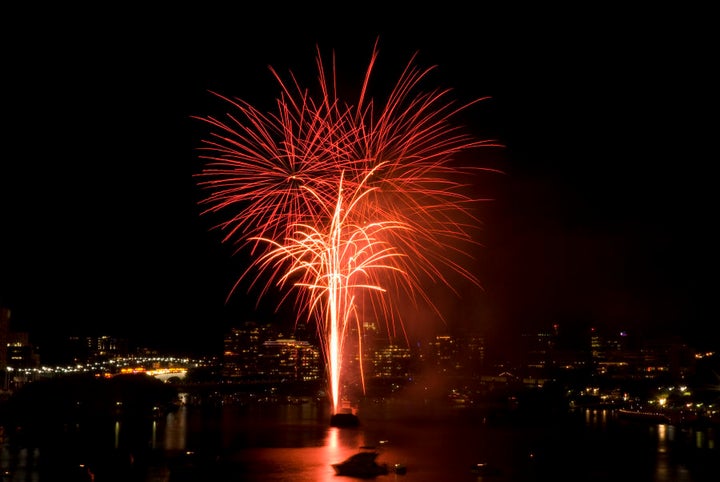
(330, 266)
(335, 201)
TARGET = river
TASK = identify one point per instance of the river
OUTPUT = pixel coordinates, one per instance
(295, 442)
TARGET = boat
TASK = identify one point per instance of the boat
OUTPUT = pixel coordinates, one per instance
(344, 420)
(485, 469)
(644, 415)
(362, 465)
(400, 469)
(346, 416)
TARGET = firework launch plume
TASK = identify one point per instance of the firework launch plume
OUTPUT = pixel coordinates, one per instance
(338, 202)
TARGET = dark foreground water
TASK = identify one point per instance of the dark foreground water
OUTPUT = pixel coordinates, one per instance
(295, 443)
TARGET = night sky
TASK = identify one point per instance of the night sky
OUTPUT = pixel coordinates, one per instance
(603, 215)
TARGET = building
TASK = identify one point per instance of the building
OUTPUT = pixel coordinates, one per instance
(259, 352)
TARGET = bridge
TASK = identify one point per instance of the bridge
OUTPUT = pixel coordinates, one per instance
(163, 374)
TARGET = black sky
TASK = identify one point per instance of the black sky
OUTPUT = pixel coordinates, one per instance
(604, 216)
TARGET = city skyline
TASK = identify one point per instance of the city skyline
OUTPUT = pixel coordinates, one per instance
(600, 218)
(62, 350)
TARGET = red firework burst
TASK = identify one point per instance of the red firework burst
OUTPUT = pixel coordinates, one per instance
(339, 201)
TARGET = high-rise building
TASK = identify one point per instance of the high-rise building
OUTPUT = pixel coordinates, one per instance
(256, 351)
(445, 353)
(391, 361)
(4, 330)
(288, 359)
(19, 352)
(241, 350)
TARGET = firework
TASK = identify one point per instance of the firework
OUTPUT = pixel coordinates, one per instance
(338, 202)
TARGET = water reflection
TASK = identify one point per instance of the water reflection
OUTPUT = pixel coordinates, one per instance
(597, 417)
(175, 430)
(280, 442)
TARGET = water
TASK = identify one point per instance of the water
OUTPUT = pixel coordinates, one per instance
(294, 442)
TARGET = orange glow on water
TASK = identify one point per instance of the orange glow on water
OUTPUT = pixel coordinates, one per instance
(342, 202)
